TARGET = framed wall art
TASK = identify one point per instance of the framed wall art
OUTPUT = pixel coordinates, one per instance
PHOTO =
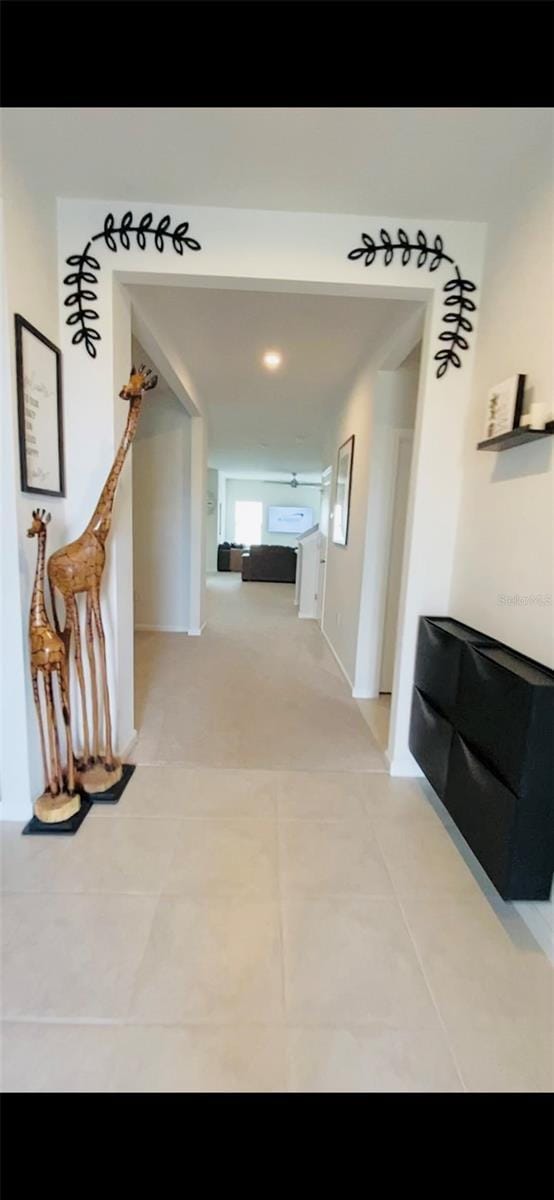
(39, 405)
(343, 488)
(504, 405)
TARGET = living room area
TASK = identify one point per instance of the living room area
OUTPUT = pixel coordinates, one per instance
(257, 524)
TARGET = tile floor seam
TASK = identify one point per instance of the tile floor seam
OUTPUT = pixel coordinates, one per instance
(201, 766)
(442, 1022)
(282, 941)
(424, 973)
(197, 1023)
(142, 956)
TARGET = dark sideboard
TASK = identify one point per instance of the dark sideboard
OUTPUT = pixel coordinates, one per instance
(482, 731)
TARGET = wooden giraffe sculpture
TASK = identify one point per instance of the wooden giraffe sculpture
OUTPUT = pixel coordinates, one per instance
(48, 658)
(78, 567)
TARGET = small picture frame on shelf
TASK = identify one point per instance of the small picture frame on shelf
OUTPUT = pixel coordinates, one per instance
(39, 406)
(343, 488)
(504, 406)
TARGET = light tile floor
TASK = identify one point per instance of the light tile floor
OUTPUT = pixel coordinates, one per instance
(334, 941)
(249, 929)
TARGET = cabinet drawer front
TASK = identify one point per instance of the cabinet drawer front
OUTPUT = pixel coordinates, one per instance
(493, 821)
(430, 738)
(437, 666)
(506, 721)
(441, 642)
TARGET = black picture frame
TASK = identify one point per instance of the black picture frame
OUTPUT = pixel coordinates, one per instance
(340, 536)
(23, 326)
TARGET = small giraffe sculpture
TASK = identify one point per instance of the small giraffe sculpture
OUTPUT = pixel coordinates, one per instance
(78, 567)
(48, 658)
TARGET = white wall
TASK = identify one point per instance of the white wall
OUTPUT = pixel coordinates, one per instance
(505, 541)
(161, 501)
(505, 531)
(212, 520)
(343, 579)
(278, 250)
(29, 287)
(269, 494)
(378, 401)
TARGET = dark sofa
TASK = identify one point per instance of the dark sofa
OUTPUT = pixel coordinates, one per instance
(271, 564)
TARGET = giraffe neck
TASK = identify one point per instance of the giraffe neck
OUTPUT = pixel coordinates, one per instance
(101, 519)
(38, 614)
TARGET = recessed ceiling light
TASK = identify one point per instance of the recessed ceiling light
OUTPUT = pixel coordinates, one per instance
(272, 359)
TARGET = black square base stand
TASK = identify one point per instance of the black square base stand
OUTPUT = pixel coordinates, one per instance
(112, 795)
(70, 826)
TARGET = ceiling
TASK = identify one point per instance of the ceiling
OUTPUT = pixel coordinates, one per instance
(450, 163)
(261, 421)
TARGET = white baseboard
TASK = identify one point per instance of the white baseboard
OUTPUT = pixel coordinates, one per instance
(161, 628)
(364, 694)
(534, 913)
(197, 631)
(129, 746)
(405, 767)
(307, 616)
(336, 657)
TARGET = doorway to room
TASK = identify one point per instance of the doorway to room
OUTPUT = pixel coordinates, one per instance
(268, 438)
(324, 518)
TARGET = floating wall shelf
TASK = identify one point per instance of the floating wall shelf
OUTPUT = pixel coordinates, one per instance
(516, 437)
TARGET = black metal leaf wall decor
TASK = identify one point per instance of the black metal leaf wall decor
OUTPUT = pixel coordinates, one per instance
(457, 301)
(82, 278)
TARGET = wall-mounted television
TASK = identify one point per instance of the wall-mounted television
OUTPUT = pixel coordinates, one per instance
(289, 518)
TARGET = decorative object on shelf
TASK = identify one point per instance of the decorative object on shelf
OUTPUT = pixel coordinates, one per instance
(504, 405)
(48, 656)
(432, 255)
(82, 277)
(39, 406)
(343, 488)
(537, 414)
(78, 567)
(481, 731)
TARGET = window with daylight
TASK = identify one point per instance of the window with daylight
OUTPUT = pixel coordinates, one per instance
(248, 522)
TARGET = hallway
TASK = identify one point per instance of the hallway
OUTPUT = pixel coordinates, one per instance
(259, 689)
(265, 909)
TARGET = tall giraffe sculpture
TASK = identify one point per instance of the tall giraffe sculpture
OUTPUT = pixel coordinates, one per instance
(49, 658)
(78, 567)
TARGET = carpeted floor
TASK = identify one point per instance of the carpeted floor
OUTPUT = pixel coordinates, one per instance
(259, 688)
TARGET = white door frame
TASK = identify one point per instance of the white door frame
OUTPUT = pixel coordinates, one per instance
(326, 475)
(393, 442)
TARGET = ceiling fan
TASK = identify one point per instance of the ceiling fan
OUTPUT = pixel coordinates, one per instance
(294, 483)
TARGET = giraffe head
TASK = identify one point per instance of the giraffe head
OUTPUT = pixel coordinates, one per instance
(40, 521)
(139, 381)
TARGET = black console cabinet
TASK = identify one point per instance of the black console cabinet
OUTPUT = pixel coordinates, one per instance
(482, 731)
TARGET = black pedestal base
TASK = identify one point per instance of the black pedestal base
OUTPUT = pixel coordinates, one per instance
(113, 794)
(70, 826)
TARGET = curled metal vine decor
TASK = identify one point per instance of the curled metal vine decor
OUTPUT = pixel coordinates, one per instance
(429, 254)
(83, 278)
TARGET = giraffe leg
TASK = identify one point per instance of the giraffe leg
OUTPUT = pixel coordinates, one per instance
(36, 698)
(67, 722)
(72, 620)
(57, 780)
(93, 680)
(104, 673)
